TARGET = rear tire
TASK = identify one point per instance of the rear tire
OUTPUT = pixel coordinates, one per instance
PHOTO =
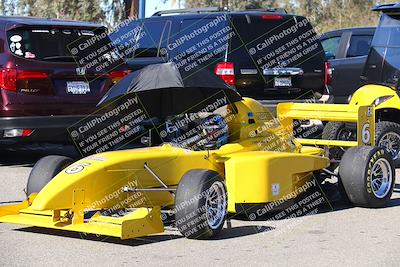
(200, 204)
(368, 176)
(44, 171)
(387, 136)
(337, 131)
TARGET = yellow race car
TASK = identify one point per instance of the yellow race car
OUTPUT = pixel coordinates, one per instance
(121, 193)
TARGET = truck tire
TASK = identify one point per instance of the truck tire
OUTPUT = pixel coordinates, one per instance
(388, 137)
(368, 176)
(200, 204)
(44, 170)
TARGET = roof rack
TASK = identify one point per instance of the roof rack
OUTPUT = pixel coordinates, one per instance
(213, 9)
(189, 10)
(274, 10)
(387, 7)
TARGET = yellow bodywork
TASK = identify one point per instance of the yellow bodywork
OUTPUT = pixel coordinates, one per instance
(261, 155)
(363, 116)
(367, 94)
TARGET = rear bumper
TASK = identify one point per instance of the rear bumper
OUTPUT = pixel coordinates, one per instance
(46, 128)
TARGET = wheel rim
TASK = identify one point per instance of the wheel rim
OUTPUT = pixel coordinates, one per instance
(391, 143)
(216, 205)
(381, 178)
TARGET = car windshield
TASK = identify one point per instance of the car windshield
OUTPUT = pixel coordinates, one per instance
(383, 63)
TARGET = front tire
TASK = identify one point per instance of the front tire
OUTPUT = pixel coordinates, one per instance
(44, 171)
(200, 204)
(368, 176)
(388, 137)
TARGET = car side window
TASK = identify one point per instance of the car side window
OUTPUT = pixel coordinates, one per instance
(203, 42)
(359, 45)
(151, 38)
(330, 46)
(124, 38)
(142, 38)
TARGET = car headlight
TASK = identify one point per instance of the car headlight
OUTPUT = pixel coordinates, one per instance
(381, 99)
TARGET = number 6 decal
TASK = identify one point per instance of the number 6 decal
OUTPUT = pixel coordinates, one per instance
(366, 135)
(366, 126)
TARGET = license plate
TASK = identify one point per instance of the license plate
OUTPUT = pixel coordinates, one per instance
(78, 88)
(283, 82)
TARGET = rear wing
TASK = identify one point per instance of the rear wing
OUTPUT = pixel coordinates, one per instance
(363, 116)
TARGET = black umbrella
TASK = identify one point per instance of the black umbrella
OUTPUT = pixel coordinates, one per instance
(164, 90)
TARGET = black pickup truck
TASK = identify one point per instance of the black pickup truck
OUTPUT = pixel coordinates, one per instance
(346, 51)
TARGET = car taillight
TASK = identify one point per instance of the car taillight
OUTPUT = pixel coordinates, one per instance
(118, 74)
(328, 73)
(226, 71)
(9, 77)
(271, 17)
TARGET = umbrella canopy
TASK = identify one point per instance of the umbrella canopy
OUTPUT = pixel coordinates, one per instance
(164, 90)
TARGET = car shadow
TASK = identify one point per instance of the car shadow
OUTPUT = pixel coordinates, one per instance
(393, 203)
(112, 240)
(18, 159)
(28, 157)
(396, 188)
(239, 231)
(226, 233)
(325, 207)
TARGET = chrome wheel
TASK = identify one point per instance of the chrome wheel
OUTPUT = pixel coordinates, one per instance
(381, 178)
(216, 204)
(390, 141)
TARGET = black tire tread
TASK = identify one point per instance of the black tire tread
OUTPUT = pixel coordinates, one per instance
(354, 178)
(192, 184)
(44, 170)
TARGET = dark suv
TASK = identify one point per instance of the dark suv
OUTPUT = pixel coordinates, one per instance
(347, 51)
(264, 54)
(43, 90)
